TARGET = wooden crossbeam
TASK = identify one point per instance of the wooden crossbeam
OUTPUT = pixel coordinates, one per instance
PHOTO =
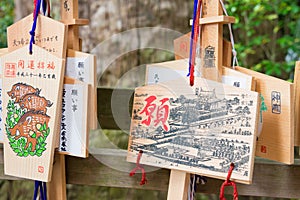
(216, 19)
(268, 176)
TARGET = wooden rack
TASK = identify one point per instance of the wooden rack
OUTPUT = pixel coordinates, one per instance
(270, 179)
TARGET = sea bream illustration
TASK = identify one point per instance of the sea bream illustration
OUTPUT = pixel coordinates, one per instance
(29, 127)
(19, 90)
(33, 102)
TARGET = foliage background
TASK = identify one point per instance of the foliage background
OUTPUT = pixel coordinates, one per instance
(267, 35)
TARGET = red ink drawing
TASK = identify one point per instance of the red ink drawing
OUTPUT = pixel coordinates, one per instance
(10, 70)
(41, 65)
(29, 127)
(183, 47)
(31, 64)
(148, 110)
(27, 122)
(263, 149)
(51, 65)
(19, 90)
(33, 102)
(160, 112)
(21, 64)
(41, 169)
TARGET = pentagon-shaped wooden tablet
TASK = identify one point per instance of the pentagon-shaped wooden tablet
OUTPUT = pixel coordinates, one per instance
(49, 35)
(32, 92)
(276, 141)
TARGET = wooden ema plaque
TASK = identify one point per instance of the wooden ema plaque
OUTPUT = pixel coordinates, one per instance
(80, 97)
(74, 123)
(32, 88)
(82, 66)
(182, 49)
(276, 141)
(199, 129)
(167, 71)
(2, 52)
(297, 103)
(50, 35)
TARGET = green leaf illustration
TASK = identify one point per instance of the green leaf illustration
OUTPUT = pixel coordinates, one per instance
(14, 114)
(20, 154)
(44, 126)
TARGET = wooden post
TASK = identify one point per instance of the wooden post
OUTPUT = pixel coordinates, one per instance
(69, 13)
(178, 184)
(211, 42)
(297, 104)
(211, 54)
(69, 16)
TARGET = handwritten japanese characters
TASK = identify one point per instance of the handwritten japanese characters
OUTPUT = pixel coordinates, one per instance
(199, 130)
(73, 132)
(167, 71)
(209, 57)
(82, 67)
(51, 39)
(31, 107)
(276, 102)
(79, 92)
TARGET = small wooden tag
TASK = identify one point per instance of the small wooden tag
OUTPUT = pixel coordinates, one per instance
(82, 66)
(200, 129)
(167, 71)
(81, 74)
(50, 35)
(32, 90)
(276, 141)
(2, 52)
(1, 110)
(74, 130)
(297, 104)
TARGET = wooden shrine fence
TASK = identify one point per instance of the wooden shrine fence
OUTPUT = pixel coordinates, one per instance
(270, 179)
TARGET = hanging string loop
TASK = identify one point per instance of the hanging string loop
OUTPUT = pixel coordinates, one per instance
(235, 61)
(139, 167)
(228, 182)
(39, 185)
(37, 7)
(194, 39)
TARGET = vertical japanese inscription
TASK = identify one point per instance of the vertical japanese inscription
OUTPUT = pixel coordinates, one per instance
(209, 57)
(63, 129)
(276, 102)
(66, 6)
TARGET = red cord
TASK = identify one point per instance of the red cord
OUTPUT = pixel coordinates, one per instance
(34, 7)
(139, 167)
(228, 182)
(195, 40)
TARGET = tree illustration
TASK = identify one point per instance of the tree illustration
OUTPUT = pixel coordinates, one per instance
(263, 107)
